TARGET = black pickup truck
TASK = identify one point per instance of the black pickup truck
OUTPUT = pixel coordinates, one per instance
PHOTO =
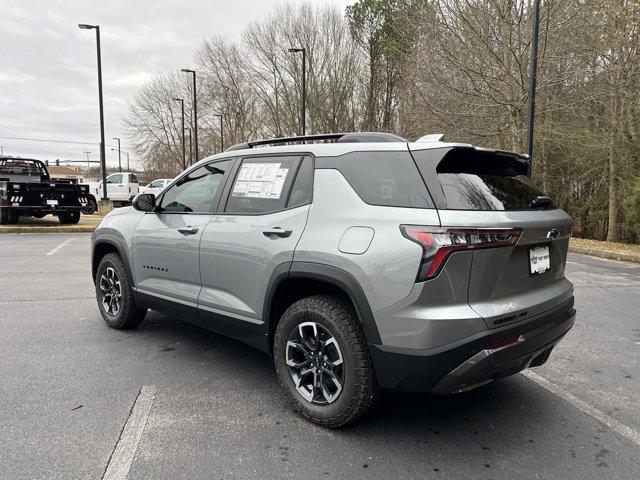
(27, 190)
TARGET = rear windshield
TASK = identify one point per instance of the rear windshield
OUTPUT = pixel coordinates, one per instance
(476, 180)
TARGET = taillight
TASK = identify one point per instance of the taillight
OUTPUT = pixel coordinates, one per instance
(438, 243)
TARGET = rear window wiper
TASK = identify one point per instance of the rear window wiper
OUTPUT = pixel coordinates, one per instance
(540, 202)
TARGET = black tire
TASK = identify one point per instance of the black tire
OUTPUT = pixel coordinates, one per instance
(69, 217)
(335, 317)
(4, 215)
(91, 207)
(128, 314)
(13, 217)
(39, 215)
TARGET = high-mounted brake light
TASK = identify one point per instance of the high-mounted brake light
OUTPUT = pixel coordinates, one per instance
(439, 243)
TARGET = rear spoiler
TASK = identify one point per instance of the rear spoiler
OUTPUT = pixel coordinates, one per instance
(519, 162)
(520, 156)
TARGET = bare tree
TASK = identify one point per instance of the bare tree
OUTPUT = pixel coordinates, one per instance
(460, 67)
(154, 123)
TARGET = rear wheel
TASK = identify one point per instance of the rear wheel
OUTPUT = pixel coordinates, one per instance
(323, 363)
(72, 216)
(8, 216)
(4, 215)
(13, 217)
(115, 295)
(91, 207)
(38, 215)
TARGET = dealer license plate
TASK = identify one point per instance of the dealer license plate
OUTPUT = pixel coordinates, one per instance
(539, 260)
(52, 202)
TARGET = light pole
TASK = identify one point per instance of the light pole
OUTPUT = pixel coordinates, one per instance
(119, 155)
(128, 168)
(195, 111)
(103, 160)
(188, 130)
(275, 93)
(87, 152)
(221, 131)
(303, 108)
(533, 65)
(184, 155)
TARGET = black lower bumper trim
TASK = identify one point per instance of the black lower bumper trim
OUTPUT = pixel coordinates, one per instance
(447, 369)
(45, 209)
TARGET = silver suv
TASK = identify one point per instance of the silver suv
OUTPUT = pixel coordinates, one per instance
(359, 261)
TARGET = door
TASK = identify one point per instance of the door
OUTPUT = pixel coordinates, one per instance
(116, 189)
(166, 242)
(134, 186)
(256, 229)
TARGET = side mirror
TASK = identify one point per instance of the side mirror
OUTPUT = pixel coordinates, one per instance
(145, 202)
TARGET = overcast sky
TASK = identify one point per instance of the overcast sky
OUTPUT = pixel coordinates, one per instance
(48, 79)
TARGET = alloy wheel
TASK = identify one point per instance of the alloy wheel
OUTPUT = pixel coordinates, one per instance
(111, 291)
(315, 363)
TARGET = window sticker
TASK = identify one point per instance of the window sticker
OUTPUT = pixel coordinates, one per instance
(260, 180)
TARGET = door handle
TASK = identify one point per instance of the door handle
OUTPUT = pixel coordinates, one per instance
(276, 232)
(188, 230)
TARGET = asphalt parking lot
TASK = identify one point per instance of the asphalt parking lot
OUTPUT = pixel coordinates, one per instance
(68, 384)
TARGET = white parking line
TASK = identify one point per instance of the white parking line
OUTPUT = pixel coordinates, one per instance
(599, 415)
(123, 454)
(54, 250)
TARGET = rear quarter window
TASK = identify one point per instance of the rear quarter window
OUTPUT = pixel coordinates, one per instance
(389, 179)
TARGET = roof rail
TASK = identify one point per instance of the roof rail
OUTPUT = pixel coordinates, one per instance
(350, 137)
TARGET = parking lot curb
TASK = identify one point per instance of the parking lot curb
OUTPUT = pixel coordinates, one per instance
(624, 257)
(60, 229)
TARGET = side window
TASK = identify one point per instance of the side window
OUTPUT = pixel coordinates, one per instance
(156, 184)
(262, 185)
(194, 192)
(114, 178)
(133, 178)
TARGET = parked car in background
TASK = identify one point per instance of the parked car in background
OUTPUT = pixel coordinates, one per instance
(371, 262)
(27, 190)
(121, 188)
(156, 186)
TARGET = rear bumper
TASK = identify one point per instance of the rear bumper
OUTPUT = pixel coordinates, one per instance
(472, 362)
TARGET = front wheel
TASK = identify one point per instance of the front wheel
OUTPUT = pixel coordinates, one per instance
(115, 295)
(323, 363)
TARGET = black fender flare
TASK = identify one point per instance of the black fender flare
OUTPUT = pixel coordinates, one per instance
(119, 245)
(332, 275)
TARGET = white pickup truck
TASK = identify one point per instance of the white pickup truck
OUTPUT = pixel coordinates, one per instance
(121, 188)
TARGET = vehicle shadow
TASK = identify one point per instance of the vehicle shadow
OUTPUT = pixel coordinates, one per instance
(470, 435)
(476, 408)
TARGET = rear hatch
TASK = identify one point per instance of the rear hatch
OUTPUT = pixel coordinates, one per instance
(488, 191)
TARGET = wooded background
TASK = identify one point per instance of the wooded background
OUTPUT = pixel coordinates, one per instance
(412, 67)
